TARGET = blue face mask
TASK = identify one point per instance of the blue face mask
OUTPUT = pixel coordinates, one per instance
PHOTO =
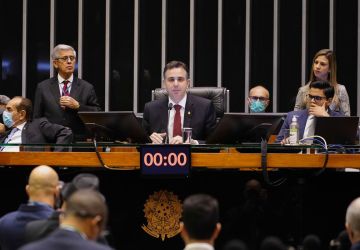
(257, 106)
(7, 118)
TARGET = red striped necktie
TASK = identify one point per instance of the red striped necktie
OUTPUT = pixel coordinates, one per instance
(65, 89)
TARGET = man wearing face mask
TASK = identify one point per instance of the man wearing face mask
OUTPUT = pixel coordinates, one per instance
(42, 189)
(23, 130)
(258, 99)
(3, 101)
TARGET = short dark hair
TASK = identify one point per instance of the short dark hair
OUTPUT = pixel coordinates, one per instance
(200, 216)
(80, 181)
(174, 65)
(325, 86)
(25, 104)
(87, 203)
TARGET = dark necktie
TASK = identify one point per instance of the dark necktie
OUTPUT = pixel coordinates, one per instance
(65, 89)
(8, 138)
(177, 121)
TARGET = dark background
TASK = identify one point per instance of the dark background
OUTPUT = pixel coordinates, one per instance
(303, 204)
(177, 46)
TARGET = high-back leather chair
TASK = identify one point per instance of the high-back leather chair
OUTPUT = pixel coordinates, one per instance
(219, 96)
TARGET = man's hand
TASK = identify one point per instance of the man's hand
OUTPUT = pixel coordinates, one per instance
(317, 110)
(176, 140)
(157, 138)
(2, 128)
(69, 102)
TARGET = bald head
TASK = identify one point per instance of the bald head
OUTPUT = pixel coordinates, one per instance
(43, 184)
(352, 220)
(259, 91)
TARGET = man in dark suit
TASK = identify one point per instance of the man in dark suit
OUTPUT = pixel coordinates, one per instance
(60, 98)
(84, 219)
(200, 224)
(318, 102)
(23, 130)
(39, 229)
(183, 109)
(43, 190)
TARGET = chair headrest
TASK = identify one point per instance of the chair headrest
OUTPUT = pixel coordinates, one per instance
(217, 95)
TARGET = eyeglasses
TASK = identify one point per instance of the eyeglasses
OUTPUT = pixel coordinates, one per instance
(260, 98)
(316, 97)
(66, 58)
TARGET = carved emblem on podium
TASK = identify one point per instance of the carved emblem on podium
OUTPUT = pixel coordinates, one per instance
(163, 212)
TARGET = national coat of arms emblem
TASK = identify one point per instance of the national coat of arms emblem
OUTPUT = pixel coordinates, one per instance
(163, 212)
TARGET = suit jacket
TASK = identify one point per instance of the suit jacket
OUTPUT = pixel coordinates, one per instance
(39, 229)
(62, 239)
(47, 105)
(40, 131)
(12, 225)
(199, 115)
(302, 118)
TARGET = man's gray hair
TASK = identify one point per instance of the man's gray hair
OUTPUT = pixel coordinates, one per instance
(56, 50)
(353, 215)
(4, 99)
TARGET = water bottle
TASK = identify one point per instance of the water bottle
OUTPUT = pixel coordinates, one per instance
(294, 131)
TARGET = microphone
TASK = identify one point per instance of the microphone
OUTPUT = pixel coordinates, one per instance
(170, 106)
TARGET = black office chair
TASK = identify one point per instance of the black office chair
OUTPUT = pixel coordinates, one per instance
(219, 96)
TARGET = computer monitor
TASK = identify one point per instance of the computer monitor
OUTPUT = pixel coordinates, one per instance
(337, 129)
(114, 126)
(236, 128)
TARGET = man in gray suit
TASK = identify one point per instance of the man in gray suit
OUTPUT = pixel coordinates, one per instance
(60, 98)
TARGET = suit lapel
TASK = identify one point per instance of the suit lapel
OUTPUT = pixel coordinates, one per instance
(164, 110)
(188, 112)
(24, 139)
(54, 88)
(75, 88)
(302, 122)
(5, 135)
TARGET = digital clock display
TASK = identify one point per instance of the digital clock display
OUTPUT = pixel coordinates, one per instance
(165, 160)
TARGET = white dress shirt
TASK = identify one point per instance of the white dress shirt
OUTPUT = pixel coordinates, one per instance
(61, 84)
(15, 139)
(309, 128)
(182, 103)
(199, 246)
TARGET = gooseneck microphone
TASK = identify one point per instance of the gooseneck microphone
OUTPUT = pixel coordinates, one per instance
(170, 106)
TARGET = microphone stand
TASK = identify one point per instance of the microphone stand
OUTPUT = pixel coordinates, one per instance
(170, 106)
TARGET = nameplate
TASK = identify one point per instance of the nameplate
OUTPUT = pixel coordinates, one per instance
(165, 160)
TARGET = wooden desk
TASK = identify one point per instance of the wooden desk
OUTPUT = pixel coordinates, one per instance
(223, 160)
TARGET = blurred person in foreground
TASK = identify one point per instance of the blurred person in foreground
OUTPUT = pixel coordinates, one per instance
(200, 224)
(82, 222)
(43, 191)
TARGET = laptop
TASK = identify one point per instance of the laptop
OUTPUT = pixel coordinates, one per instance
(114, 126)
(234, 128)
(338, 129)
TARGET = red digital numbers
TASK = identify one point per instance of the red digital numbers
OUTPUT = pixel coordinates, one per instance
(159, 160)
